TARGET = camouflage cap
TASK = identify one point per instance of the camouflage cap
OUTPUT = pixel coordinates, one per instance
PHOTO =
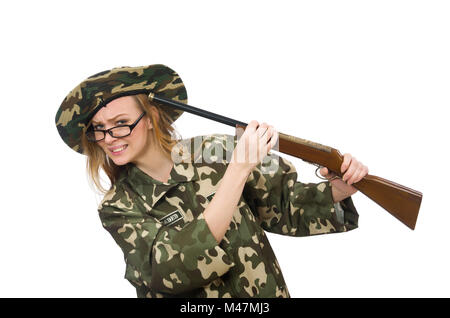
(86, 99)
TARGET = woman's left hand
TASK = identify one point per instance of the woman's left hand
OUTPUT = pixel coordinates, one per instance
(354, 171)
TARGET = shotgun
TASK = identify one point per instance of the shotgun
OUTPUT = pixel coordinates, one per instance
(400, 201)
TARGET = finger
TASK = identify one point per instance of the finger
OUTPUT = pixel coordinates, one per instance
(346, 162)
(354, 176)
(351, 169)
(273, 139)
(251, 127)
(268, 133)
(262, 129)
(261, 140)
(327, 173)
(360, 173)
(363, 173)
(265, 140)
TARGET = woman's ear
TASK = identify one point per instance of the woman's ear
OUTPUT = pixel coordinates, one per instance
(149, 123)
(154, 114)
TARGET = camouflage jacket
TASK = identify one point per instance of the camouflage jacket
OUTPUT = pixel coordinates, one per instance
(168, 248)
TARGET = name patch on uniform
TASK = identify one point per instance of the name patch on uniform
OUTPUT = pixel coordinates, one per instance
(171, 218)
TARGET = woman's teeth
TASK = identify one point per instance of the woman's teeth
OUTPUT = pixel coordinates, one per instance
(120, 149)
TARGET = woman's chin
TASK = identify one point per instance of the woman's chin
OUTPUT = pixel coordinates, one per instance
(120, 161)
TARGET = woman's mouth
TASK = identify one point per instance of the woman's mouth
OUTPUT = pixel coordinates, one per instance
(118, 151)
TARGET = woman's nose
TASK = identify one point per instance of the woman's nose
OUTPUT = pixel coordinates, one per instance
(109, 139)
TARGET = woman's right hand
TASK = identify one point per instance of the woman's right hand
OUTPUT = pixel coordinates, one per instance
(254, 144)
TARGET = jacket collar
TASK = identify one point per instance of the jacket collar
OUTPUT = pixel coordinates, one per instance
(181, 172)
(150, 189)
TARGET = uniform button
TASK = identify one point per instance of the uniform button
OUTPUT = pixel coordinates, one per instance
(182, 188)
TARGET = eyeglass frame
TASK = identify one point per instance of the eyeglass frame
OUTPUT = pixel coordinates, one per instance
(109, 130)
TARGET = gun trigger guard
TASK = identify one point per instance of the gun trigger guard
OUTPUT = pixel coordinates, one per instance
(323, 178)
(319, 176)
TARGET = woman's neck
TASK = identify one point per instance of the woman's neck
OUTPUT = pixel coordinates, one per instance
(155, 164)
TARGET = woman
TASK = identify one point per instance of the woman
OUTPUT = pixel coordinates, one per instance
(191, 223)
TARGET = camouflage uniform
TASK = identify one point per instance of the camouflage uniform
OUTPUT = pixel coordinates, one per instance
(168, 248)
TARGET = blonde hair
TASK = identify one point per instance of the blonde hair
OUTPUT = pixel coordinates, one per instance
(163, 133)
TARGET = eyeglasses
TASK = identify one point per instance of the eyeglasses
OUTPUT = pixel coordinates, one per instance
(120, 131)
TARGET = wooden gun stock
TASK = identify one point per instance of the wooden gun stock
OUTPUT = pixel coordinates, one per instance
(398, 200)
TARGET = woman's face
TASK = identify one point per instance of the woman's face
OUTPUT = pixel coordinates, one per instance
(123, 111)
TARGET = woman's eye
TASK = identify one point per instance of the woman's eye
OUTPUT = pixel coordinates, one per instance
(119, 122)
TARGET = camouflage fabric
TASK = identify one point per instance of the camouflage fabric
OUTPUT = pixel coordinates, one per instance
(168, 248)
(83, 102)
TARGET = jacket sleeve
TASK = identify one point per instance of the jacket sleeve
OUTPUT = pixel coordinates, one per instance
(286, 206)
(164, 259)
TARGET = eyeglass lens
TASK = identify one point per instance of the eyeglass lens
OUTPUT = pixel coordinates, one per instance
(116, 132)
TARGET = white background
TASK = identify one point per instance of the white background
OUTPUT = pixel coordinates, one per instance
(366, 77)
